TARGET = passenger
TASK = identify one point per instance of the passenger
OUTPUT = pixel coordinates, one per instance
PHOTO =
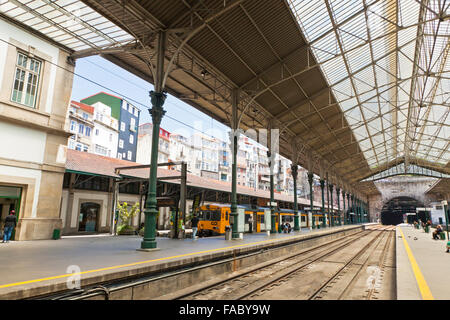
(10, 224)
(194, 224)
(289, 228)
(437, 232)
(250, 224)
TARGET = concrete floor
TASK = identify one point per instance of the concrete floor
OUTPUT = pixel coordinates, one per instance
(28, 260)
(432, 260)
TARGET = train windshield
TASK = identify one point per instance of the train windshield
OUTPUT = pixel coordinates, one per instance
(209, 215)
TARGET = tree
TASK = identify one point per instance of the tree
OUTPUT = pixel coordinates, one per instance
(126, 214)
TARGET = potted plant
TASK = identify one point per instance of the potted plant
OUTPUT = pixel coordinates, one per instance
(126, 213)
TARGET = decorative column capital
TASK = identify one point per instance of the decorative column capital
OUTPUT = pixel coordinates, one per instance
(157, 112)
(294, 169)
(322, 183)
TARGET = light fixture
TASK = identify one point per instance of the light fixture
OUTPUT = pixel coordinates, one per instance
(203, 73)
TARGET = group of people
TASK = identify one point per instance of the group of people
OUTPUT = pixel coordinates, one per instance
(436, 235)
(8, 227)
(286, 227)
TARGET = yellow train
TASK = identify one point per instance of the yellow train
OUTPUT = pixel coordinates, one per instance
(213, 218)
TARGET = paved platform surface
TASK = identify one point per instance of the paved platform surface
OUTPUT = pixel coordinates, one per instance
(30, 264)
(422, 265)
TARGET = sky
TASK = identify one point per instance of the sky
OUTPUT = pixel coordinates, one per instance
(103, 75)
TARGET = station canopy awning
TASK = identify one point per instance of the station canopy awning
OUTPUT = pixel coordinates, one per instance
(362, 84)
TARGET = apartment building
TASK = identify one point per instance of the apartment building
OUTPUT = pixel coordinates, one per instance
(106, 131)
(81, 125)
(127, 117)
(144, 144)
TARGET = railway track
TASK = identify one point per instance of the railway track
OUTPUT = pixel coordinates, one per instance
(267, 281)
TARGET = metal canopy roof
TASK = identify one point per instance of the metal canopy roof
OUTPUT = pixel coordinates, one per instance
(361, 84)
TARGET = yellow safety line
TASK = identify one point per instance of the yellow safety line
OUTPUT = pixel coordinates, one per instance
(135, 263)
(423, 286)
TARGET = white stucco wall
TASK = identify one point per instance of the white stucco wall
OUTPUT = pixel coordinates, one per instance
(21, 143)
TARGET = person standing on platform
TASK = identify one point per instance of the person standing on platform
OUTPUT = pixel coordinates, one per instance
(194, 223)
(10, 224)
(250, 224)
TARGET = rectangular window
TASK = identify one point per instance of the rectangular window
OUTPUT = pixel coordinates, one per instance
(85, 148)
(122, 126)
(100, 150)
(26, 80)
(133, 124)
(78, 147)
(119, 156)
(124, 105)
(81, 128)
(97, 132)
(120, 145)
(88, 132)
(73, 126)
(131, 139)
(85, 116)
(129, 155)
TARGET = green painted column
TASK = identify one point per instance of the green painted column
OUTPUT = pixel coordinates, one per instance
(349, 217)
(343, 202)
(311, 196)
(150, 210)
(338, 194)
(322, 187)
(330, 213)
(294, 170)
(233, 209)
(272, 198)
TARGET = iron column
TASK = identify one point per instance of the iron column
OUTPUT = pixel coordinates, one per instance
(150, 211)
(311, 195)
(444, 203)
(294, 169)
(331, 210)
(322, 186)
(343, 202)
(273, 228)
(349, 217)
(338, 194)
(234, 141)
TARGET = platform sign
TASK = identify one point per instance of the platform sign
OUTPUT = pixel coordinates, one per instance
(240, 220)
(267, 219)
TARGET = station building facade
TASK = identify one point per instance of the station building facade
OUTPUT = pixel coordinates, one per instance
(92, 186)
(36, 80)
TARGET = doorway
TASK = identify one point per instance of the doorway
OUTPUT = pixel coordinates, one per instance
(10, 200)
(88, 220)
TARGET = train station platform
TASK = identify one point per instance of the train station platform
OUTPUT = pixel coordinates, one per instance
(422, 265)
(36, 268)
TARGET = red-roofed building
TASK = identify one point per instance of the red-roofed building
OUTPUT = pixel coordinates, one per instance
(80, 122)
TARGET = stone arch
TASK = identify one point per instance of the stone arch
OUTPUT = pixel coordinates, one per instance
(393, 210)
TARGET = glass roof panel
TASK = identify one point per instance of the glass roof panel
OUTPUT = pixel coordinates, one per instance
(381, 72)
(69, 21)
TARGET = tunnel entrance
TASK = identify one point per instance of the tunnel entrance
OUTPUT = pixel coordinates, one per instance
(393, 210)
